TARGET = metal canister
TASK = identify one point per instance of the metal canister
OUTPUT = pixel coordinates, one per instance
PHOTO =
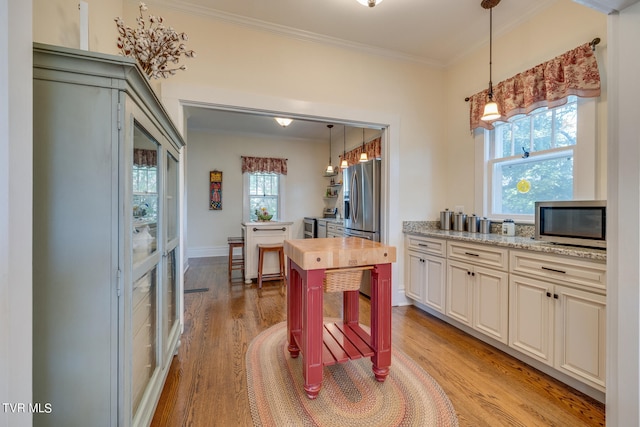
(473, 223)
(485, 225)
(446, 219)
(458, 221)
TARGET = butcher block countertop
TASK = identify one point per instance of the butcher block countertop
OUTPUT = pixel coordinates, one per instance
(337, 252)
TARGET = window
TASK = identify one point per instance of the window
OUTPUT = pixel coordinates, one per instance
(263, 191)
(535, 157)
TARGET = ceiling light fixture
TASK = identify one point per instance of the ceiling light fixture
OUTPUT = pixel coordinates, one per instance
(344, 164)
(329, 170)
(363, 155)
(491, 111)
(370, 3)
(284, 122)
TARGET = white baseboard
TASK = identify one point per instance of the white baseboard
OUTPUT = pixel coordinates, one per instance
(208, 251)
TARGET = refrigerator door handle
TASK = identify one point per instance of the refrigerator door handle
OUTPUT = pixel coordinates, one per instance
(354, 196)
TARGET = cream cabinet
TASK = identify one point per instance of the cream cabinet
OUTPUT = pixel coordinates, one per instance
(425, 271)
(558, 313)
(478, 297)
(335, 229)
(478, 288)
(255, 233)
(106, 239)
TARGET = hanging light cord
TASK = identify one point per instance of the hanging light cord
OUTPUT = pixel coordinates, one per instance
(490, 53)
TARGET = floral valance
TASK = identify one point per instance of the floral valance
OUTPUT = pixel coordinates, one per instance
(145, 158)
(264, 164)
(546, 85)
(372, 148)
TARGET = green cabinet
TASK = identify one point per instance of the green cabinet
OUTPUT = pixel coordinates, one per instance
(106, 215)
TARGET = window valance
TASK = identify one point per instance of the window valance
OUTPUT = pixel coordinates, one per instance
(145, 158)
(546, 85)
(372, 148)
(264, 164)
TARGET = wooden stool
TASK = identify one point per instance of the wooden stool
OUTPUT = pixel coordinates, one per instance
(236, 263)
(264, 248)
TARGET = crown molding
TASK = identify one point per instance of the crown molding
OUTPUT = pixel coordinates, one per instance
(294, 33)
(607, 6)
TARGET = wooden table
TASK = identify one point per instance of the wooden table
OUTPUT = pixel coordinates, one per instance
(326, 344)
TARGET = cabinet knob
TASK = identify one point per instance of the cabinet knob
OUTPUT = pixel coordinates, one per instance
(548, 294)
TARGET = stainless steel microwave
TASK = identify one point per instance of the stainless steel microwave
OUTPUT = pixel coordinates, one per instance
(576, 222)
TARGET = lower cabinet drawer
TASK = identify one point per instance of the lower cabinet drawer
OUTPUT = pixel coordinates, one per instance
(427, 246)
(574, 271)
(489, 256)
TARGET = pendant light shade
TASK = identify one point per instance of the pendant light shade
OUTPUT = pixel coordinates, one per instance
(329, 170)
(491, 110)
(363, 155)
(344, 164)
(370, 3)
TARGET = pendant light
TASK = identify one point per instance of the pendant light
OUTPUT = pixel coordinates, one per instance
(370, 3)
(283, 121)
(491, 111)
(344, 164)
(329, 170)
(363, 155)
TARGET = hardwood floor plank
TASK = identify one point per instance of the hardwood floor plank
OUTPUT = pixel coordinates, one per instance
(206, 385)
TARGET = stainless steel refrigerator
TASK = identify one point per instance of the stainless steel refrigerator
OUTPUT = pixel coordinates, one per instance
(362, 205)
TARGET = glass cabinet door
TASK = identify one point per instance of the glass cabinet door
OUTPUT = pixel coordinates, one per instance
(170, 296)
(146, 274)
(145, 196)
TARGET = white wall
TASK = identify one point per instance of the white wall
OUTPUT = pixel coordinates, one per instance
(16, 147)
(208, 229)
(557, 29)
(623, 228)
(57, 22)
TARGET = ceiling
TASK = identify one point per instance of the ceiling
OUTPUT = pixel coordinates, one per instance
(437, 32)
(434, 32)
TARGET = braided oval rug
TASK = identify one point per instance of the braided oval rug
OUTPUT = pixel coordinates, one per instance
(350, 394)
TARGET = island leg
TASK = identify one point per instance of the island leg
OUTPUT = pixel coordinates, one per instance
(312, 331)
(294, 309)
(381, 320)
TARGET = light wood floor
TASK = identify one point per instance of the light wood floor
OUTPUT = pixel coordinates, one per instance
(206, 385)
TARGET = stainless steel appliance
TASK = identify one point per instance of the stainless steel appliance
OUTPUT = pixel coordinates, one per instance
(314, 229)
(580, 223)
(310, 227)
(362, 206)
(362, 199)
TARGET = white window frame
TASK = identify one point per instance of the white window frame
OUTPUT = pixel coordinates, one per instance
(245, 197)
(584, 163)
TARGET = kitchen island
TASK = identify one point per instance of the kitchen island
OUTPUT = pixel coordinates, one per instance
(262, 232)
(311, 262)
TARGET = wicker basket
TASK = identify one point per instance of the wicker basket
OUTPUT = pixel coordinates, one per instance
(343, 279)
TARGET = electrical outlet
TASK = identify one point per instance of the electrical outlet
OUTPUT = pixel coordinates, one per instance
(458, 209)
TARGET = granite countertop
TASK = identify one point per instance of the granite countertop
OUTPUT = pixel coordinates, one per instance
(266, 223)
(336, 220)
(429, 229)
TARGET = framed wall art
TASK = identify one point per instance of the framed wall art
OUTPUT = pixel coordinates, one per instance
(215, 190)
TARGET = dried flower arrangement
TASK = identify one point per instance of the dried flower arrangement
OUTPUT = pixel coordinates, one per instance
(154, 47)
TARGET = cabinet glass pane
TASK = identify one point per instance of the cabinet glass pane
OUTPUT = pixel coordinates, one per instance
(144, 334)
(171, 192)
(145, 195)
(170, 296)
